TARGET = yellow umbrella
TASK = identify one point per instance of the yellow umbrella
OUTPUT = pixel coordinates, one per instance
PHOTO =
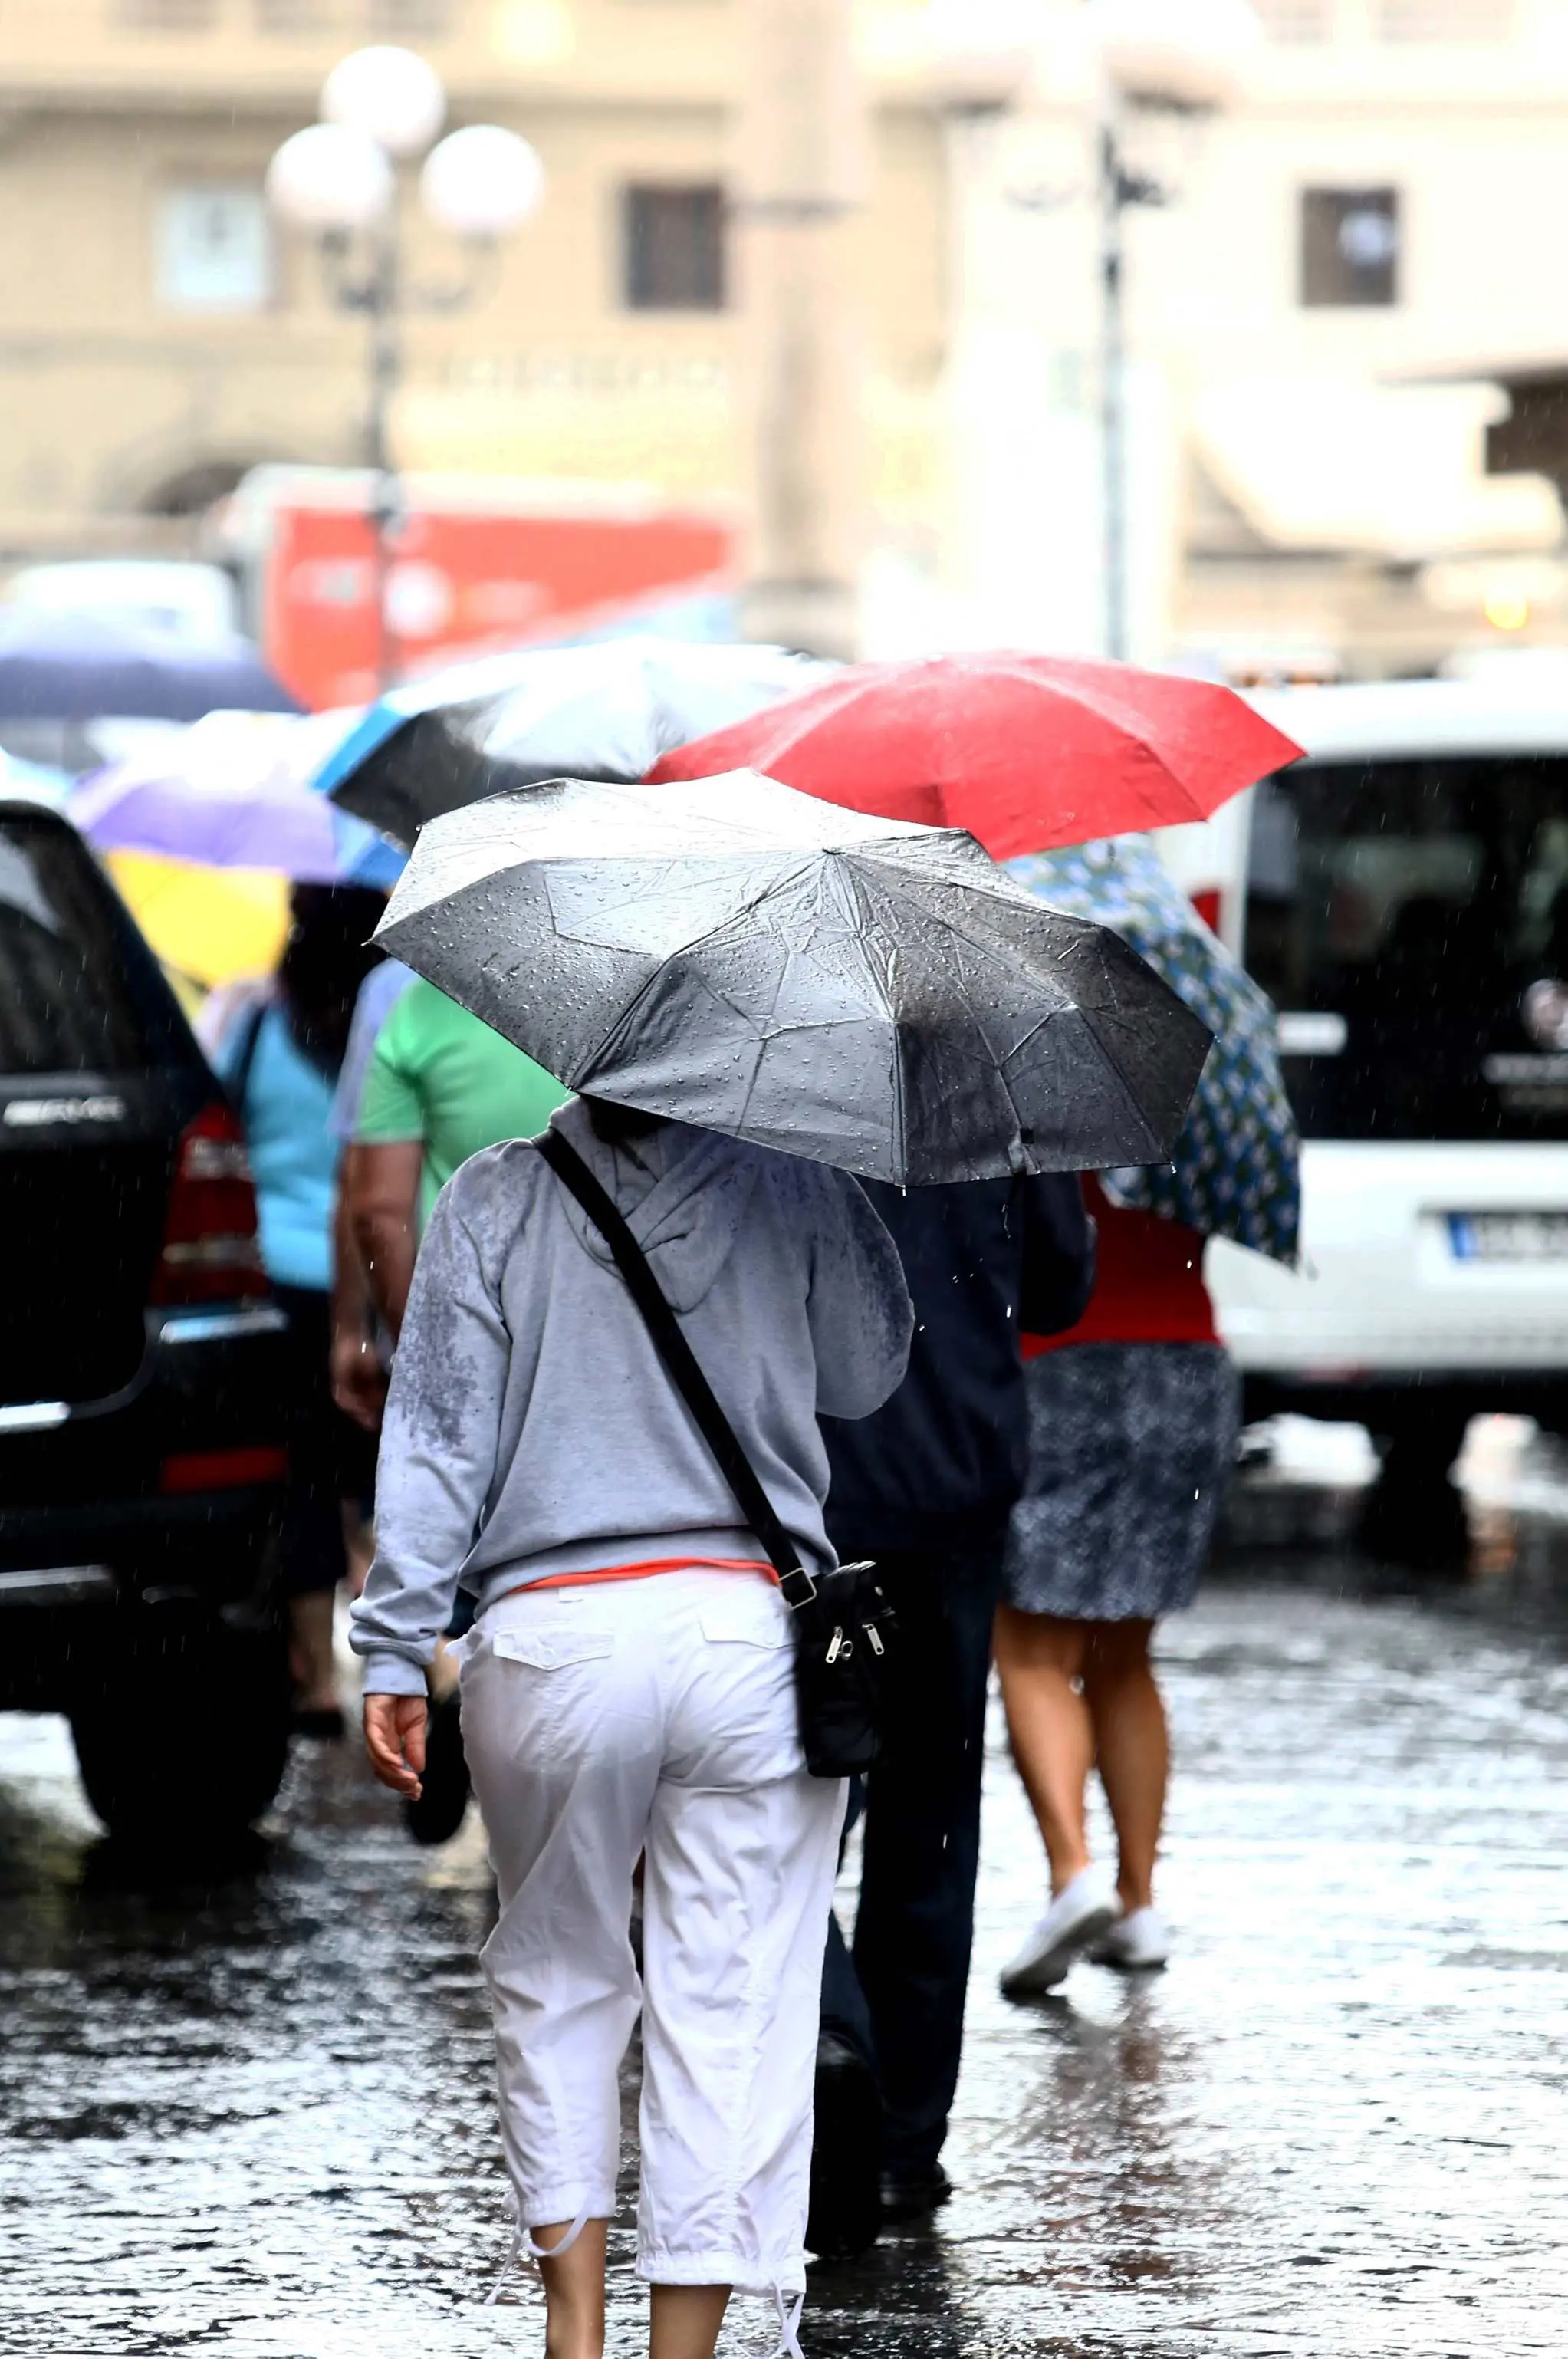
(207, 925)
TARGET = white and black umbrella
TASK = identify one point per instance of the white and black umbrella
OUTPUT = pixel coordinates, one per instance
(606, 710)
(873, 994)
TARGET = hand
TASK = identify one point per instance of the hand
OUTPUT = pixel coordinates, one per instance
(394, 1740)
(358, 1380)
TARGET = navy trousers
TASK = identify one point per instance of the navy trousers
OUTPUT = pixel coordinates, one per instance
(900, 1999)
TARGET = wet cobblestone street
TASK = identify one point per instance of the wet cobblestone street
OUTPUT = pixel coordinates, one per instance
(256, 2120)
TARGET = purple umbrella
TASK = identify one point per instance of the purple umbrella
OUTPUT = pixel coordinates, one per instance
(231, 794)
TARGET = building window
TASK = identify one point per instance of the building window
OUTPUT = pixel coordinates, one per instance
(411, 20)
(1303, 22)
(1350, 247)
(673, 248)
(405, 20)
(213, 248)
(1444, 20)
(295, 15)
(168, 15)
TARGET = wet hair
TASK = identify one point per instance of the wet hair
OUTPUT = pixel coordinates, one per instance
(613, 1123)
(327, 957)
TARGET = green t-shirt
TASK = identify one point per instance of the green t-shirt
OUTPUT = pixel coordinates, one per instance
(439, 1075)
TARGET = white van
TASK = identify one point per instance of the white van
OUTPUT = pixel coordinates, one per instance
(1402, 895)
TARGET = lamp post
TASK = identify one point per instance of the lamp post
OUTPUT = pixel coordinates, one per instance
(1171, 57)
(339, 182)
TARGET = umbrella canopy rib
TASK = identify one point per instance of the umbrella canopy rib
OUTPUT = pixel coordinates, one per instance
(1000, 954)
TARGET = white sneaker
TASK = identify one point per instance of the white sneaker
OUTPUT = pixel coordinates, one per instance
(1138, 1942)
(1077, 1917)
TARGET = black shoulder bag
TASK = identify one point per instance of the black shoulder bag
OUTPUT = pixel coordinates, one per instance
(843, 1625)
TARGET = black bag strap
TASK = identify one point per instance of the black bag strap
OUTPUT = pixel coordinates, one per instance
(681, 1363)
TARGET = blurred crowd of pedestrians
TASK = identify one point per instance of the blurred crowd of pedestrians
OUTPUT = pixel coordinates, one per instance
(362, 1089)
(1039, 1490)
(279, 1044)
(1007, 1393)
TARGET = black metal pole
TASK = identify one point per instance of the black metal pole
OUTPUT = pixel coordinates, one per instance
(1113, 390)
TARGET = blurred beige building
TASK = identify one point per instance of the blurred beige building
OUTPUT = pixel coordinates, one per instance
(1322, 326)
(158, 336)
(1325, 325)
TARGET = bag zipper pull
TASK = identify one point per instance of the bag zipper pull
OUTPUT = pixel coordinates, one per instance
(838, 1645)
(870, 1630)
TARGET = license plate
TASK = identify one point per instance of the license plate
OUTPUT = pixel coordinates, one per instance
(1508, 1236)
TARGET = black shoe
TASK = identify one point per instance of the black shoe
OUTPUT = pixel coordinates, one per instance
(845, 2209)
(435, 1817)
(911, 2195)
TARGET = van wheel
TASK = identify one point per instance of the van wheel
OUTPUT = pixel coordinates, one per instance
(1414, 1513)
(181, 1730)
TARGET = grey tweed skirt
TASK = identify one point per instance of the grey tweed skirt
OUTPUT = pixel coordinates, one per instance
(1130, 1447)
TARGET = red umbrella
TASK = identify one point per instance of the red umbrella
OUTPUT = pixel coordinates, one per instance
(1024, 751)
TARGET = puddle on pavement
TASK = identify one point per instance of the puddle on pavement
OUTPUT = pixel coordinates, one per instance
(253, 2116)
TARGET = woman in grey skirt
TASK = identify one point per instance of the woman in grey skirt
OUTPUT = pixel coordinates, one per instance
(1133, 1417)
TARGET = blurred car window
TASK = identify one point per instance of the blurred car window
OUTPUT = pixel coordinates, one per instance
(70, 1001)
(1423, 902)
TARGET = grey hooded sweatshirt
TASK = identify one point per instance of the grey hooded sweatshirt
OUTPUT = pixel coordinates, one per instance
(531, 1428)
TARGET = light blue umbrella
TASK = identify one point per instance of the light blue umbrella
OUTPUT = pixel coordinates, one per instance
(35, 782)
(1236, 1171)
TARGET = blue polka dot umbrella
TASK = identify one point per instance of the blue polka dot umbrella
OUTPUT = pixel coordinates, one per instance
(1236, 1169)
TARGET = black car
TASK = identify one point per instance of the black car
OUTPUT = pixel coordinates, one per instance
(141, 1428)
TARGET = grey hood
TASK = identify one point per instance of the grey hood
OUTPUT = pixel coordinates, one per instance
(684, 1193)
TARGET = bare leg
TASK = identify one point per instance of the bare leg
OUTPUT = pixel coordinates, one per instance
(311, 1650)
(1133, 1748)
(574, 2292)
(1040, 1659)
(686, 2320)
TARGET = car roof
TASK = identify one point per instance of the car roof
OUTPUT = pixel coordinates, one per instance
(1394, 719)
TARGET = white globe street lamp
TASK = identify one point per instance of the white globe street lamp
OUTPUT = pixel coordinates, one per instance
(330, 179)
(393, 95)
(337, 181)
(481, 181)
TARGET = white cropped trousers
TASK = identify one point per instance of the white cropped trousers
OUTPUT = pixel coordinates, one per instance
(655, 1716)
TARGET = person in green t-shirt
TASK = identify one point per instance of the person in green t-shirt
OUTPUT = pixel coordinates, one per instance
(440, 1085)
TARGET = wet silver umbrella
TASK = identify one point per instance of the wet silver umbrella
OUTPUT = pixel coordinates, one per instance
(607, 710)
(876, 996)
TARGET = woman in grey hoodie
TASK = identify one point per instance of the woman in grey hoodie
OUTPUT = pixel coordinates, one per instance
(628, 1687)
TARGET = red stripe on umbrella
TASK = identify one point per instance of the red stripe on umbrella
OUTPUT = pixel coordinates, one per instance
(1025, 751)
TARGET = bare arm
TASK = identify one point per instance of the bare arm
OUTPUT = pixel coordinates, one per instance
(437, 1465)
(382, 1188)
(358, 1380)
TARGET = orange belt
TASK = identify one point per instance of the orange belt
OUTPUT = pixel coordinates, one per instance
(645, 1571)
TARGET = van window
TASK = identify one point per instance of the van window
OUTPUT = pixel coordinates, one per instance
(1419, 911)
(78, 991)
